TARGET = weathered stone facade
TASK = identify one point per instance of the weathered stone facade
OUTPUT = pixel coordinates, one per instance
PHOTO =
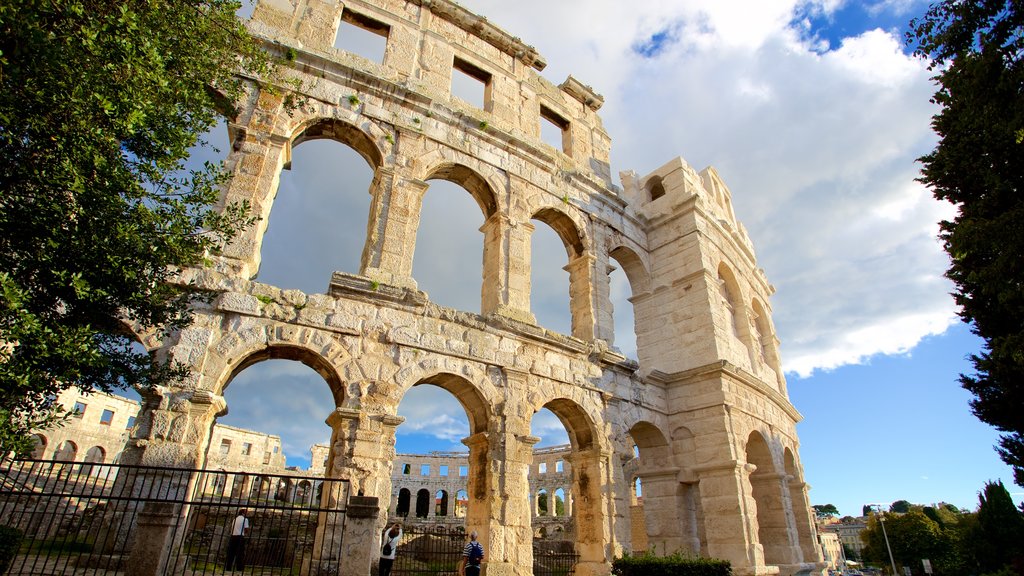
(706, 404)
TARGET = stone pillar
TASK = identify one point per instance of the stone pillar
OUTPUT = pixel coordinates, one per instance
(774, 530)
(478, 489)
(506, 282)
(362, 451)
(806, 533)
(391, 231)
(593, 533)
(154, 538)
(361, 541)
(662, 514)
(581, 296)
(730, 517)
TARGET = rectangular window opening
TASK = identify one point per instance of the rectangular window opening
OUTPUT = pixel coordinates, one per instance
(225, 447)
(406, 469)
(79, 410)
(425, 470)
(463, 471)
(107, 417)
(131, 423)
(442, 470)
(554, 130)
(542, 468)
(559, 466)
(362, 36)
(266, 458)
(471, 84)
(246, 448)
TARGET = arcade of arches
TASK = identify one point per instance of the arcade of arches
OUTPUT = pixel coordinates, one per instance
(705, 404)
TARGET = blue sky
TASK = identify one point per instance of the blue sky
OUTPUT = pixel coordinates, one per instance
(814, 114)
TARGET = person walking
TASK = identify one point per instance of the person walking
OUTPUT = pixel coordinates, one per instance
(389, 547)
(472, 557)
(236, 545)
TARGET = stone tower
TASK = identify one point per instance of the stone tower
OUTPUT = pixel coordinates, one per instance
(703, 419)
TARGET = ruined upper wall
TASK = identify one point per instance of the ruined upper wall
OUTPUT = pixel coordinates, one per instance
(426, 40)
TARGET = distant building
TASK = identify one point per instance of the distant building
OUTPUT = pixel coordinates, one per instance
(849, 535)
(96, 433)
(832, 548)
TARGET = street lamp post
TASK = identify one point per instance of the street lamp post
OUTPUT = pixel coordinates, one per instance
(881, 519)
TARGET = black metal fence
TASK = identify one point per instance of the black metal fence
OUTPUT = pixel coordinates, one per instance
(428, 550)
(81, 518)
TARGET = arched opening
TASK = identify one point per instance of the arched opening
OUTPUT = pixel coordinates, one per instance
(450, 240)
(320, 214)
(654, 188)
(38, 446)
(66, 452)
(444, 415)
(461, 500)
(766, 486)
(625, 281)
(404, 497)
(763, 341)
(566, 435)
(802, 515)
(441, 503)
(94, 455)
(422, 503)
(558, 297)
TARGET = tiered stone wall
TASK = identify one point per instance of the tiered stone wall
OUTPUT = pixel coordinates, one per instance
(706, 406)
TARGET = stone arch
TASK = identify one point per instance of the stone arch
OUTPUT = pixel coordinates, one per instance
(635, 267)
(470, 386)
(559, 494)
(731, 300)
(762, 337)
(403, 505)
(767, 490)
(441, 503)
(479, 188)
(654, 188)
(654, 448)
(339, 131)
(318, 351)
(568, 230)
(66, 452)
(422, 503)
(40, 443)
(803, 516)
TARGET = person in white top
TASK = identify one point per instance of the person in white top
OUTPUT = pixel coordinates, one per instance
(236, 545)
(388, 548)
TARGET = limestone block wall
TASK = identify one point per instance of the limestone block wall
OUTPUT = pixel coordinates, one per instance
(703, 417)
(97, 434)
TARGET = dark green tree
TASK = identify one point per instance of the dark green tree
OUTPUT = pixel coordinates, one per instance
(977, 48)
(913, 537)
(825, 510)
(900, 507)
(1001, 527)
(100, 103)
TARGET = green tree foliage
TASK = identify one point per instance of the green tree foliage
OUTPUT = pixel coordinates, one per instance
(900, 507)
(100, 103)
(825, 510)
(1001, 529)
(913, 537)
(977, 49)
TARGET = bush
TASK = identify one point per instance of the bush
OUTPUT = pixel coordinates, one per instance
(674, 565)
(10, 539)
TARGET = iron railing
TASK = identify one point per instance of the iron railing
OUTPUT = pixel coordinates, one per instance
(81, 518)
(429, 549)
(554, 558)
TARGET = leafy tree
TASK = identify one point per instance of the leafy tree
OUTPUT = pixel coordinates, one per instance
(825, 510)
(100, 103)
(900, 507)
(866, 510)
(1001, 527)
(913, 536)
(976, 48)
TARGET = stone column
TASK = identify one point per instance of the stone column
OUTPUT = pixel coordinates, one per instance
(774, 530)
(391, 231)
(591, 514)
(478, 489)
(362, 450)
(662, 512)
(730, 517)
(506, 282)
(153, 538)
(581, 296)
(361, 541)
(806, 533)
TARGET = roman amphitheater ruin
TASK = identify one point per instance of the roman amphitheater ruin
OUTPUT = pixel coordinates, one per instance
(705, 404)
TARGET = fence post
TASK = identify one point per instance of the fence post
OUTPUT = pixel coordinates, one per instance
(154, 533)
(359, 543)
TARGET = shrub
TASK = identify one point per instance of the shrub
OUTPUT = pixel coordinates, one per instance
(675, 565)
(10, 539)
